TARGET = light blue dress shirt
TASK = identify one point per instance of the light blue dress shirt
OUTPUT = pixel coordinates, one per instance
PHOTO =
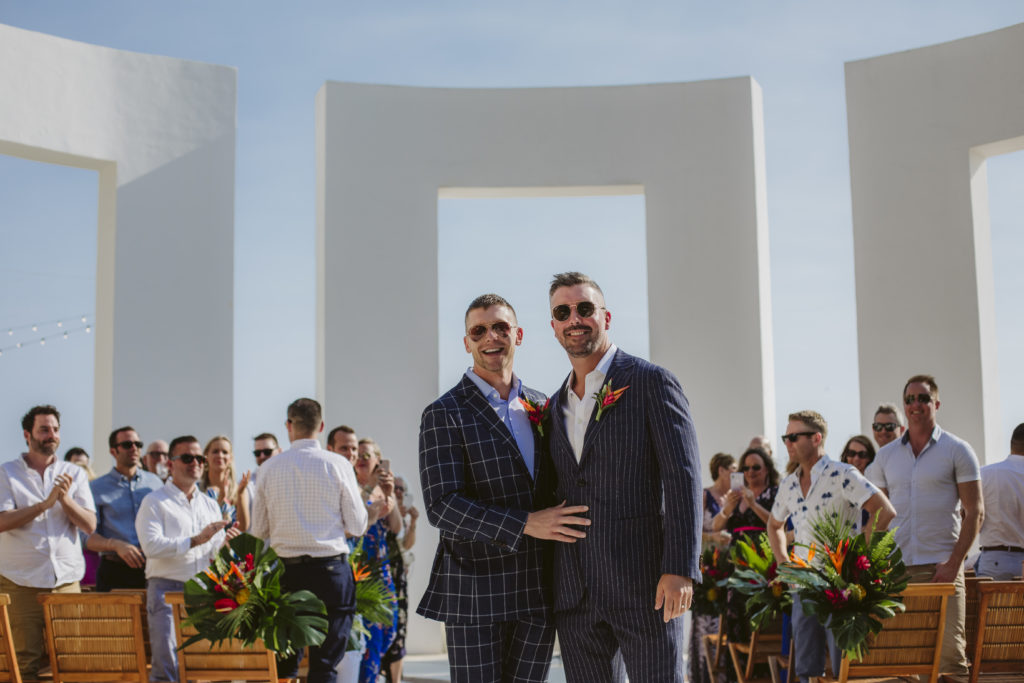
(512, 413)
(118, 499)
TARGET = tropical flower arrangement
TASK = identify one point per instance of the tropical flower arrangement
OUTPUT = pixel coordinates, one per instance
(375, 601)
(709, 594)
(607, 397)
(537, 412)
(848, 583)
(239, 597)
(756, 576)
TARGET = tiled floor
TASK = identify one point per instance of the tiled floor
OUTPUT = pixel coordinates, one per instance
(433, 668)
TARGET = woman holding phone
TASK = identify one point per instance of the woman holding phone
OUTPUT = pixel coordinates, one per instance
(745, 515)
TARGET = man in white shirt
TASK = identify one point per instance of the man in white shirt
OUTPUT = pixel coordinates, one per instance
(309, 499)
(180, 530)
(44, 503)
(931, 476)
(1002, 533)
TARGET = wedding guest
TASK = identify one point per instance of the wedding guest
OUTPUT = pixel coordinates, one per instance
(744, 515)
(722, 466)
(155, 459)
(1002, 533)
(77, 455)
(400, 557)
(180, 530)
(219, 482)
(859, 452)
(888, 424)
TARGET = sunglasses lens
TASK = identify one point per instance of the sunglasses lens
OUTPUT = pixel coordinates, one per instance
(585, 309)
(561, 313)
(476, 332)
(502, 328)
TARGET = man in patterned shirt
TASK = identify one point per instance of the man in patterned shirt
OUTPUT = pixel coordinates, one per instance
(819, 486)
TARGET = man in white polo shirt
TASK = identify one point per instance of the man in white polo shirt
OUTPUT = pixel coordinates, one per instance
(929, 475)
(180, 530)
(1002, 533)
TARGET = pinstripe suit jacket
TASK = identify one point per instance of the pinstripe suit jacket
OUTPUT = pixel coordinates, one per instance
(641, 452)
(477, 491)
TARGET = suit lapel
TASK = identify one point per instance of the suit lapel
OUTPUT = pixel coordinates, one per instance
(619, 374)
(479, 404)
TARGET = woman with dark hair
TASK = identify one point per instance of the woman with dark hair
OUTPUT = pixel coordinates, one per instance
(859, 452)
(745, 515)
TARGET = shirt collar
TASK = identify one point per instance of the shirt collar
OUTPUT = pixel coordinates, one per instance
(490, 392)
(936, 433)
(597, 375)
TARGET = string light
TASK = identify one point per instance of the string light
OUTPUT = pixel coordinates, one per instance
(43, 324)
(64, 330)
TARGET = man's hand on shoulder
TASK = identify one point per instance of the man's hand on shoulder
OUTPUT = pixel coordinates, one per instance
(675, 593)
(554, 523)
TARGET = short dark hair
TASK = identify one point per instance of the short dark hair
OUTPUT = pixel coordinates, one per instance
(266, 435)
(73, 451)
(29, 420)
(719, 460)
(772, 474)
(305, 415)
(923, 379)
(177, 441)
(1017, 440)
(488, 300)
(341, 429)
(571, 279)
(112, 439)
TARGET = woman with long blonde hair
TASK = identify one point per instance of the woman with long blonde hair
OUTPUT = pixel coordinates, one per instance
(219, 482)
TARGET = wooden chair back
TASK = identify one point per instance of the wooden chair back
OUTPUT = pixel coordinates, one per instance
(999, 639)
(9, 671)
(972, 601)
(763, 644)
(911, 641)
(228, 660)
(713, 648)
(95, 636)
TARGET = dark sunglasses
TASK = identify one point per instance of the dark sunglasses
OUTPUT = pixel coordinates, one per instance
(562, 312)
(920, 398)
(263, 452)
(796, 435)
(477, 332)
(884, 426)
(157, 454)
(188, 458)
(752, 468)
(850, 453)
(128, 444)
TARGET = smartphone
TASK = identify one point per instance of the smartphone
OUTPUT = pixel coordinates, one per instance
(736, 481)
(385, 466)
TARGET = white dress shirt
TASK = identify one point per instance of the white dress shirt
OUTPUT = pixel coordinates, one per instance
(45, 552)
(309, 499)
(1002, 486)
(166, 523)
(577, 411)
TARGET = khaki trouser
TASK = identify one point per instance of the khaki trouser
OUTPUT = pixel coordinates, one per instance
(27, 623)
(954, 639)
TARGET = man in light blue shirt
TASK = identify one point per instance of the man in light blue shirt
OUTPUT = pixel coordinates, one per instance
(118, 495)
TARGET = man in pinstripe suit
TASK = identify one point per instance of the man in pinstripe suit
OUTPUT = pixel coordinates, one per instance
(623, 444)
(481, 470)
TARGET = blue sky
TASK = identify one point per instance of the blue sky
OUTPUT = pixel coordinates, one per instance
(284, 53)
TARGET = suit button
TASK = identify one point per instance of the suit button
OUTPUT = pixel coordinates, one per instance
(581, 482)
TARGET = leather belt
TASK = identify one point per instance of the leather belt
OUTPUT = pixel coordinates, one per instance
(309, 559)
(1003, 548)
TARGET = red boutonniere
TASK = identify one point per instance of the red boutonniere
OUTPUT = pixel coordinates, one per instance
(537, 413)
(607, 397)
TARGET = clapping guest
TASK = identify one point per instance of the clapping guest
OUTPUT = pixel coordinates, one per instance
(219, 482)
(859, 452)
(722, 466)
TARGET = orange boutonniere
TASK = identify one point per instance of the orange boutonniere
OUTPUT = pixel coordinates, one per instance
(537, 413)
(607, 397)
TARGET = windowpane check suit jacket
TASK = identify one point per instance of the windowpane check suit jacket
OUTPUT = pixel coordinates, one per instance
(477, 491)
(643, 451)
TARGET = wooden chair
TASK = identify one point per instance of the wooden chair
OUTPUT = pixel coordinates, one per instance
(9, 671)
(971, 615)
(910, 642)
(763, 645)
(228, 660)
(713, 647)
(998, 645)
(95, 636)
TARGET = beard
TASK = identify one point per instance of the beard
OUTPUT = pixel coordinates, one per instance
(579, 347)
(48, 447)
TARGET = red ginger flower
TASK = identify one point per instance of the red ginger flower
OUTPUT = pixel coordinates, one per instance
(607, 397)
(225, 605)
(537, 413)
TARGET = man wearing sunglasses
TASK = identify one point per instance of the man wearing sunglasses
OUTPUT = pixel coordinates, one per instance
(180, 530)
(932, 477)
(482, 474)
(155, 460)
(887, 425)
(118, 495)
(623, 443)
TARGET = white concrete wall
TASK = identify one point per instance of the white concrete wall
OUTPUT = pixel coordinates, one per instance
(385, 153)
(161, 133)
(921, 124)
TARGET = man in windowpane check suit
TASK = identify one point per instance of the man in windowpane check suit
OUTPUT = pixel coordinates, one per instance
(481, 468)
(624, 445)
